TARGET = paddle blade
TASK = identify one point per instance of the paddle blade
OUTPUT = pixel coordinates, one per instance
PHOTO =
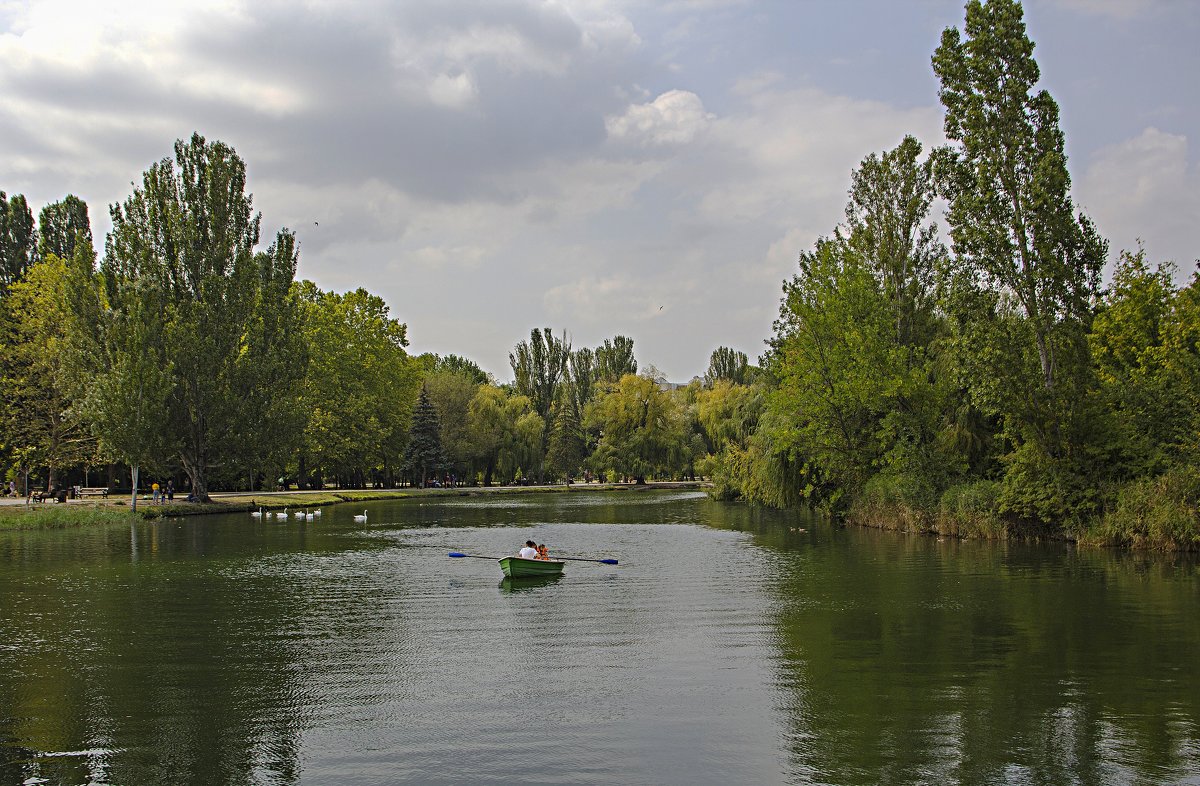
(458, 554)
(608, 561)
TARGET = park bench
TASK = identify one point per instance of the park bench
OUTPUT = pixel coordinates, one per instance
(86, 491)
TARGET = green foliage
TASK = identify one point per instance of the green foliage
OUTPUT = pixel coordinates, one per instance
(1160, 513)
(539, 366)
(641, 427)
(614, 359)
(971, 509)
(451, 390)
(453, 364)
(568, 442)
(360, 387)
(505, 432)
(189, 235)
(39, 374)
(61, 225)
(727, 364)
(1011, 215)
(1145, 342)
(424, 457)
(18, 239)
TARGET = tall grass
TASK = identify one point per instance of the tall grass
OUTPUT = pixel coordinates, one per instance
(1161, 513)
(50, 516)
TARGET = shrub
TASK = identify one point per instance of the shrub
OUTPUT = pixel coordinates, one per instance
(1161, 513)
(972, 510)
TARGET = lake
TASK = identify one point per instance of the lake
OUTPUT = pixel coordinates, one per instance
(731, 645)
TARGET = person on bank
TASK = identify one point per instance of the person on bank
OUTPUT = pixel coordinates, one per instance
(529, 552)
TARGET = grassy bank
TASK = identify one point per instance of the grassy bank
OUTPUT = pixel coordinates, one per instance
(51, 516)
(1154, 514)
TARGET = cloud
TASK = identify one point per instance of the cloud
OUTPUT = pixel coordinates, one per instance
(1120, 9)
(1146, 187)
(674, 118)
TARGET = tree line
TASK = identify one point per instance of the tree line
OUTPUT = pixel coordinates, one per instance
(188, 349)
(993, 386)
(989, 386)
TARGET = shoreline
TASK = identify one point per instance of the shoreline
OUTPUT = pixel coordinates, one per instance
(114, 509)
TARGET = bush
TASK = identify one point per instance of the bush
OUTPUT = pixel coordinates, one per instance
(972, 510)
(1161, 513)
(895, 500)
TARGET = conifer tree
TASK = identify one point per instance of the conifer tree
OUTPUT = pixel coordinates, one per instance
(424, 455)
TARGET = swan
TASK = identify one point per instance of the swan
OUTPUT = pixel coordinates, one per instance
(361, 518)
(298, 514)
(282, 516)
(308, 516)
(317, 513)
(256, 513)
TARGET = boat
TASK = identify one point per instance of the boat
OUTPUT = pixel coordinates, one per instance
(519, 567)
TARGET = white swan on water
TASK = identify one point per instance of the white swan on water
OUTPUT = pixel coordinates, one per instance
(362, 518)
(298, 514)
(317, 513)
(308, 516)
(282, 516)
(256, 513)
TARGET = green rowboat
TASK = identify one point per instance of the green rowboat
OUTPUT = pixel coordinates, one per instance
(518, 567)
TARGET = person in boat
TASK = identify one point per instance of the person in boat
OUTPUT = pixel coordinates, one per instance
(529, 552)
(541, 551)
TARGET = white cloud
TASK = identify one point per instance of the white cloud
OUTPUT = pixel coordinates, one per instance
(674, 118)
(1146, 187)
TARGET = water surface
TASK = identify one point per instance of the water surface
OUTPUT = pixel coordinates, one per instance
(731, 645)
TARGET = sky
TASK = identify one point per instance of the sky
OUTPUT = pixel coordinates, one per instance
(600, 167)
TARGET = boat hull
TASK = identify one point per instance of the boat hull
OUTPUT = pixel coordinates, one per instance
(518, 567)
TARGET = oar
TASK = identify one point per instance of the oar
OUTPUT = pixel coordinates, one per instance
(585, 559)
(576, 559)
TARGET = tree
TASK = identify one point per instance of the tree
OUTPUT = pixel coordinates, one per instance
(889, 228)
(191, 232)
(451, 393)
(61, 225)
(614, 359)
(568, 445)
(505, 432)
(642, 429)
(18, 239)
(540, 366)
(424, 455)
(1144, 344)
(275, 351)
(727, 364)
(38, 366)
(464, 367)
(1015, 231)
(1012, 219)
(132, 377)
(360, 387)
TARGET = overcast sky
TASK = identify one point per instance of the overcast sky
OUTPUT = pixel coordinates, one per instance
(606, 167)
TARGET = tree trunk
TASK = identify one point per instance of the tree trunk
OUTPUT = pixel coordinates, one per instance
(133, 497)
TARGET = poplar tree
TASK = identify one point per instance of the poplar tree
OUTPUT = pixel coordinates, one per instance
(1012, 220)
(18, 239)
(614, 359)
(189, 233)
(61, 225)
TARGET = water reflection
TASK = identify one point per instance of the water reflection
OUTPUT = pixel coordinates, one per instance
(731, 645)
(509, 584)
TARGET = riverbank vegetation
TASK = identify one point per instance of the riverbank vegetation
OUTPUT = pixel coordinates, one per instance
(988, 387)
(992, 387)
